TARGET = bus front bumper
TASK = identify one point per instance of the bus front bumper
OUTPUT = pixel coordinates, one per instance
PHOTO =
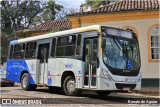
(111, 85)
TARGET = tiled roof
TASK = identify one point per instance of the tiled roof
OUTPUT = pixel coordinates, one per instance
(61, 24)
(126, 5)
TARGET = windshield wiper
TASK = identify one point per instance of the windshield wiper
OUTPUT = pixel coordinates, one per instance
(114, 39)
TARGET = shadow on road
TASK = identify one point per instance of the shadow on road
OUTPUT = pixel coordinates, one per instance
(90, 97)
(8, 85)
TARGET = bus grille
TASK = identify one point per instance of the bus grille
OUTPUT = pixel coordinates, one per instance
(121, 86)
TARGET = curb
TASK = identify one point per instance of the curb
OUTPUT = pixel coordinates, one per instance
(150, 91)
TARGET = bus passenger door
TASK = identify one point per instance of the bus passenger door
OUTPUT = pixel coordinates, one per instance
(43, 53)
(90, 56)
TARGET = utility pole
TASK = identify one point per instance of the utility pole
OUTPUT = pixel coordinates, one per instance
(80, 13)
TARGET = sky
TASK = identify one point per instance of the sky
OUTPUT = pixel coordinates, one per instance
(70, 3)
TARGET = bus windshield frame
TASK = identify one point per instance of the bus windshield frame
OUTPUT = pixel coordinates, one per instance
(121, 53)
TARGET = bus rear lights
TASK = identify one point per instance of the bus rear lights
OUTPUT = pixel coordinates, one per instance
(106, 75)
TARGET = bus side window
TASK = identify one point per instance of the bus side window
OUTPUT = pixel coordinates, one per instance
(30, 50)
(19, 51)
(78, 44)
(53, 47)
(11, 52)
(60, 47)
(70, 42)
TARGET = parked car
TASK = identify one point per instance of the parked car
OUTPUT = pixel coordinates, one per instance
(3, 80)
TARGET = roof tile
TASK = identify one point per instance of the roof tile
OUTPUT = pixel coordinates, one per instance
(62, 24)
(125, 5)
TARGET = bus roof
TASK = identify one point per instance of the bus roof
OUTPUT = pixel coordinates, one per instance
(44, 36)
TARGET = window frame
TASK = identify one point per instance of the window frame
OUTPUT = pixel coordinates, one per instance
(73, 56)
(13, 58)
(59, 46)
(54, 54)
(77, 37)
(70, 45)
(31, 49)
(134, 30)
(150, 60)
(11, 46)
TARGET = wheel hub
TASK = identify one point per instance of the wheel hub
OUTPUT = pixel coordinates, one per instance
(25, 82)
(71, 86)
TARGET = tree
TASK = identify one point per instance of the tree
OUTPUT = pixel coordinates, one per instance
(16, 15)
(96, 3)
(51, 11)
(4, 46)
(52, 8)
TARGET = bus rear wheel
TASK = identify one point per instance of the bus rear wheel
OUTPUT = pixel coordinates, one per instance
(103, 93)
(69, 86)
(25, 83)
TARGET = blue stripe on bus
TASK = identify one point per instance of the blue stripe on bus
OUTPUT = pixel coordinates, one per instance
(14, 69)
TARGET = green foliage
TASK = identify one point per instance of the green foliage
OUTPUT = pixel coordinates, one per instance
(4, 46)
(51, 10)
(21, 14)
(16, 15)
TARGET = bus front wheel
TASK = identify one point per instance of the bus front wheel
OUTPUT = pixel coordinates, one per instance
(25, 83)
(69, 86)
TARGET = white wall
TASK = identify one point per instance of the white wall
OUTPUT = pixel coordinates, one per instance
(149, 69)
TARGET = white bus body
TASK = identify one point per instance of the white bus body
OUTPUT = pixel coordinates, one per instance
(94, 58)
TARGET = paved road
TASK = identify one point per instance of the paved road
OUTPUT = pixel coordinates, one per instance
(85, 99)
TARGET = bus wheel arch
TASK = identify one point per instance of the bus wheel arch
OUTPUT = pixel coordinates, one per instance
(24, 71)
(65, 74)
(68, 82)
(26, 85)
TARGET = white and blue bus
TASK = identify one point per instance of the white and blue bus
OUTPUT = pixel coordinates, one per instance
(98, 58)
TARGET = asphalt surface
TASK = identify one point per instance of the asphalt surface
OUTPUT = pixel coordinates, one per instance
(42, 96)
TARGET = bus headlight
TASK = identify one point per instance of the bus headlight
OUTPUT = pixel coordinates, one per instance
(106, 75)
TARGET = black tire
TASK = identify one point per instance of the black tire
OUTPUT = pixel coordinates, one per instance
(12, 84)
(27, 86)
(103, 93)
(55, 89)
(66, 90)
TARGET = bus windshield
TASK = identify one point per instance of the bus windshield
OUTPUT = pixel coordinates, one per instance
(121, 53)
